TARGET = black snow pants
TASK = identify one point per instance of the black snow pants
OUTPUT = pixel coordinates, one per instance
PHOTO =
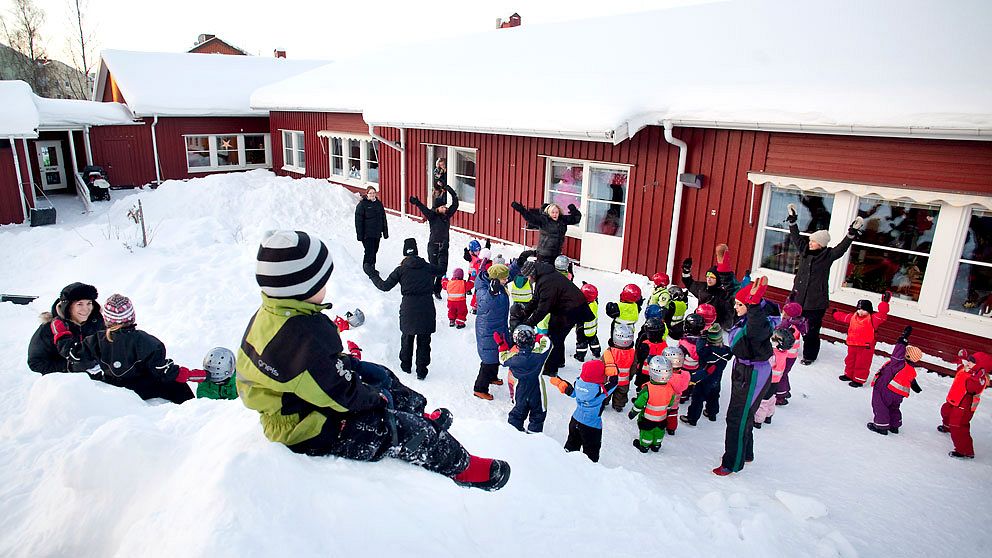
(437, 255)
(586, 438)
(423, 353)
(371, 251)
(747, 384)
(811, 341)
(487, 373)
(529, 402)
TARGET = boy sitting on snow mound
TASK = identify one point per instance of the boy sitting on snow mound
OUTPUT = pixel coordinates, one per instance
(293, 370)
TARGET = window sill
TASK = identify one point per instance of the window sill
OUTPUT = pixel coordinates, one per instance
(353, 182)
(196, 170)
(297, 170)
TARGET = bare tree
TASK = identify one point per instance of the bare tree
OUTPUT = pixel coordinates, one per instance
(80, 47)
(22, 31)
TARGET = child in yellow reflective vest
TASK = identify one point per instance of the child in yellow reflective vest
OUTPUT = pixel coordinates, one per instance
(628, 310)
(586, 333)
(653, 402)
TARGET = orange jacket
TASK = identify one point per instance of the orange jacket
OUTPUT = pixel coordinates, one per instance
(967, 386)
(902, 381)
(618, 363)
(861, 331)
(456, 289)
(660, 398)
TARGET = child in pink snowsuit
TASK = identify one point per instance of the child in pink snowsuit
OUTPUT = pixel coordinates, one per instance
(783, 342)
(794, 320)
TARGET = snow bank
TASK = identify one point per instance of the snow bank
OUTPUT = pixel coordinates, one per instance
(90, 470)
(18, 115)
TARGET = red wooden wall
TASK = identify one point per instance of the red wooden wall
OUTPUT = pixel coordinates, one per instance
(10, 200)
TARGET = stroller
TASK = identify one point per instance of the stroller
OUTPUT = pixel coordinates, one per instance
(96, 181)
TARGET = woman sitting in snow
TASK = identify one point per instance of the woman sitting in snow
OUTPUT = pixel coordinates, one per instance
(74, 316)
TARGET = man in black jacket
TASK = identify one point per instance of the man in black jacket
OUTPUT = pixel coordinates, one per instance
(439, 220)
(554, 294)
(810, 288)
(553, 226)
(370, 225)
(417, 318)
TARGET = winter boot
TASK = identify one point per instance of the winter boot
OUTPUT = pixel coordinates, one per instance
(670, 431)
(959, 455)
(874, 428)
(843, 378)
(597, 351)
(781, 401)
(656, 448)
(722, 471)
(437, 296)
(483, 395)
(460, 325)
(943, 429)
(640, 448)
(579, 356)
(496, 382)
(487, 474)
(854, 384)
(451, 323)
(441, 417)
(757, 425)
(687, 420)
(422, 374)
(768, 420)
(894, 429)
(807, 361)
(709, 415)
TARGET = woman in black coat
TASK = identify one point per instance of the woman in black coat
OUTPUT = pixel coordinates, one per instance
(74, 316)
(554, 294)
(553, 226)
(370, 225)
(417, 318)
(439, 220)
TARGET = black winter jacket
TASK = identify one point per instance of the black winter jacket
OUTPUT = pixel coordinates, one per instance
(134, 360)
(552, 232)
(717, 296)
(44, 356)
(416, 280)
(439, 224)
(751, 336)
(370, 220)
(810, 286)
(555, 294)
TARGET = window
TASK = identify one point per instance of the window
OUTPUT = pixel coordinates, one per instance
(814, 214)
(971, 291)
(458, 171)
(599, 190)
(227, 152)
(294, 156)
(353, 159)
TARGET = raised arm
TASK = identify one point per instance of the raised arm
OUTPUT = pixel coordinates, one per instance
(427, 212)
(573, 217)
(454, 201)
(532, 216)
(853, 233)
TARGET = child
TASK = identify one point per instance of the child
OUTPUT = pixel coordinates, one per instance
(651, 342)
(676, 357)
(659, 296)
(564, 266)
(891, 385)
(585, 430)
(618, 360)
(691, 345)
(473, 255)
(795, 321)
(658, 395)
(970, 381)
(586, 332)
(628, 311)
(861, 338)
(456, 287)
(525, 361)
(676, 310)
(783, 343)
(713, 358)
(219, 364)
(130, 358)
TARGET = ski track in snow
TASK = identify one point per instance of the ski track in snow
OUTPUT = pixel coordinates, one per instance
(90, 470)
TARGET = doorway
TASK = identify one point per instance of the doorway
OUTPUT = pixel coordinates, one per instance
(51, 165)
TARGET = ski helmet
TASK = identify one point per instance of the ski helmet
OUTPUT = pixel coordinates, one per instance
(661, 279)
(623, 336)
(678, 293)
(659, 370)
(356, 318)
(523, 338)
(708, 312)
(630, 293)
(653, 311)
(590, 291)
(674, 356)
(562, 262)
(219, 364)
(474, 246)
(694, 324)
(783, 339)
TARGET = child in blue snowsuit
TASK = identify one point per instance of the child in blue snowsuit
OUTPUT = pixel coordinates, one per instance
(525, 361)
(585, 430)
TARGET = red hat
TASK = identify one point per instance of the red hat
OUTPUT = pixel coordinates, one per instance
(593, 372)
(661, 279)
(983, 361)
(590, 291)
(630, 293)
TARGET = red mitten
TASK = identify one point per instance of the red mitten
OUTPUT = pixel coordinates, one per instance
(756, 291)
(191, 375)
(354, 350)
(500, 341)
(342, 324)
(59, 330)
(722, 258)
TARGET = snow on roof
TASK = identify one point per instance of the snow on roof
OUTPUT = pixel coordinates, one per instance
(18, 114)
(71, 113)
(193, 84)
(888, 66)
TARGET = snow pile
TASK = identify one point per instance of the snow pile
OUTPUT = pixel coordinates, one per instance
(18, 115)
(91, 470)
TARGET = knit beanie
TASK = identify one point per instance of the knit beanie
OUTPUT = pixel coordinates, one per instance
(983, 361)
(913, 354)
(292, 264)
(458, 274)
(410, 247)
(866, 305)
(498, 271)
(793, 309)
(118, 310)
(821, 237)
(593, 372)
(485, 254)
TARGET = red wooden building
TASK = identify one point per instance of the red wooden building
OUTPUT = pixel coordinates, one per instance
(692, 143)
(212, 44)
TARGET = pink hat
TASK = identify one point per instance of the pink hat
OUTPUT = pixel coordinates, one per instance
(118, 310)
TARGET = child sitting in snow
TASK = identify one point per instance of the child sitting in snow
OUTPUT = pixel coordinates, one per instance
(970, 380)
(652, 403)
(127, 357)
(456, 287)
(861, 328)
(618, 360)
(220, 384)
(586, 338)
(783, 342)
(891, 385)
(793, 319)
(585, 429)
(525, 361)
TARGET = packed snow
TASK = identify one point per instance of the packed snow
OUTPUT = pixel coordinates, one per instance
(87, 469)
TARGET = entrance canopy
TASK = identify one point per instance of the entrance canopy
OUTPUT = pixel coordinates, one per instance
(23, 114)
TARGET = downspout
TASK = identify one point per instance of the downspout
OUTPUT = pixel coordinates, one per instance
(87, 145)
(17, 172)
(27, 157)
(158, 172)
(677, 208)
(401, 147)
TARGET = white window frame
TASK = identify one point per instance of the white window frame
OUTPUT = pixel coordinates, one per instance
(213, 149)
(296, 144)
(368, 144)
(577, 231)
(449, 157)
(948, 241)
(958, 260)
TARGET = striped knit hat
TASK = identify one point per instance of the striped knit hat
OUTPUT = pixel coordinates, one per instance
(118, 310)
(913, 354)
(292, 264)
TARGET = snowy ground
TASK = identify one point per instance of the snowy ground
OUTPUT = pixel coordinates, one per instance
(90, 470)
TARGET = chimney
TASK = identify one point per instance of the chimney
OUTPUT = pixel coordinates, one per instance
(279, 53)
(499, 23)
(204, 37)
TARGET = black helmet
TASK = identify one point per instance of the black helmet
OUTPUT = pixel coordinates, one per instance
(523, 338)
(654, 325)
(678, 293)
(694, 324)
(783, 339)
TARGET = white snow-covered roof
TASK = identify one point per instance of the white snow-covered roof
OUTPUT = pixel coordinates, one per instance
(71, 113)
(18, 114)
(882, 67)
(193, 84)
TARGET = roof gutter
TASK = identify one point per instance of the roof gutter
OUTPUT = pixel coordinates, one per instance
(677, 208)
(918, 132)
(401, 147)
(604, 136)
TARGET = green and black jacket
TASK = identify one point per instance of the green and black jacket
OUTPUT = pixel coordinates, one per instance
(290, 368)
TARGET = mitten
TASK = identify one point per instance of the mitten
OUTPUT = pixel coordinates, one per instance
(722, 258)
(610, 383)
(467, 255)
(572, 208)
(562, 385)
(488, 243)
(854, 231)
(342, 324)
(354, 350)
(500, 341)
(191, 375)
(632, 414)
(756, 291)
(613, 310)
(414, 200)
(793, 214)
(385, 235)
(904, 338)
(517, 205)
(687, 266)
(887, 296)
(915, 386)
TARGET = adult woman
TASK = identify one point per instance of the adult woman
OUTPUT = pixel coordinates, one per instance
(370, 225)
(553, 226)
(74, 316)
(439, 221)
(493, 313)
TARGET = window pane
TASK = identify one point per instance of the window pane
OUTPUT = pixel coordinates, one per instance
(198, 143)
(436, 178)
(876, 269)
(609, 185)
(566, 184)
(605, 218)
(898, 225)
(337, 166)
(301, 158)
(972, 291)
(373, 172)
(336, 148)
(814, 209)
(287, 140)
(227, 143)
(254, 156)
(287, 156)
(978, 244)
(465, 188)
(226, 158)
(227, 151)
(198, 158)
(465, 163)
(254, 142)
(354, 153)
(373, 155)
(778, 253)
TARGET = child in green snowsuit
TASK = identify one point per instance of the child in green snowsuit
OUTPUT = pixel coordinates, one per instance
(219, 364)
(653, 401)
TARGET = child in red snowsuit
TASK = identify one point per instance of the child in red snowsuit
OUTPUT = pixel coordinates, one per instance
(892, 384)
(861, 326)
(456, 287)
(970, 381)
